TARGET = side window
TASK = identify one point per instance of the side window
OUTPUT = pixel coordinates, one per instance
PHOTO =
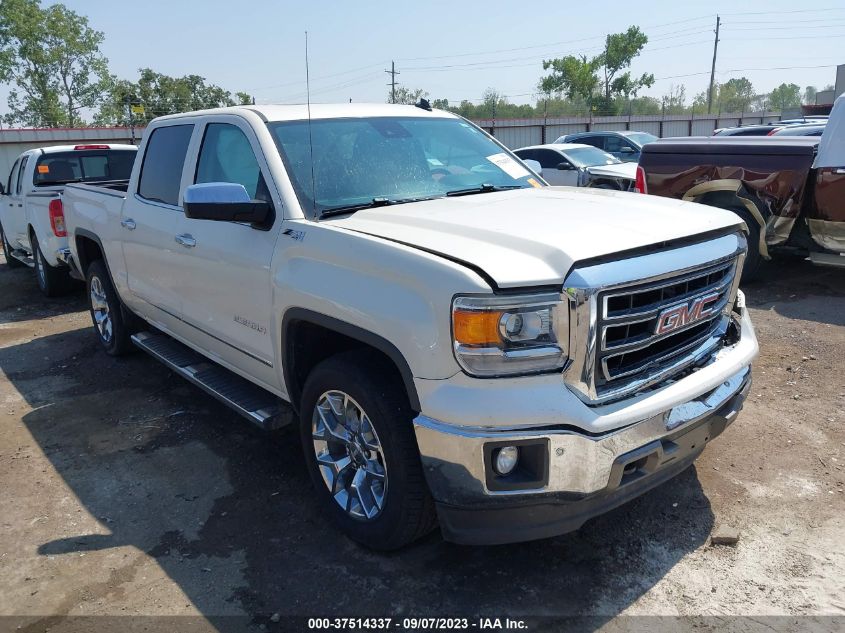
(161, 171)
(526, 154)
(13, 177)
(614, 144)
(24, 161)
(227, 156)
(595, 141)
(549, 159)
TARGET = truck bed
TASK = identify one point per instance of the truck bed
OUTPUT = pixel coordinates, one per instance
(736, 145)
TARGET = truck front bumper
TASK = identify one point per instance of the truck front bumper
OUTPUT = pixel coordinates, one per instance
(570, 475)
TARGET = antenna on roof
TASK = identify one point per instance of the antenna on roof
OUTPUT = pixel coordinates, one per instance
(310, 140)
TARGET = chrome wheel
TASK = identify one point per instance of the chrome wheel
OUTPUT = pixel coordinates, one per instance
(349, 455)
(100, 309)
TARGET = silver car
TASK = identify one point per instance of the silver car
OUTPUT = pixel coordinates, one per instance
(577, 165)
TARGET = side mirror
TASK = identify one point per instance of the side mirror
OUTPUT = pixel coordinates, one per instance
(533, 165)
(564, 167)
(627, 149)
(224, 202)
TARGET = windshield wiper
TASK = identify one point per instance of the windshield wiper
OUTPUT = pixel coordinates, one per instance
(485, 188)
(372, 204)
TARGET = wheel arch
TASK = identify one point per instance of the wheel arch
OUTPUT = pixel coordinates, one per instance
(728, 193)
(308, 337)
(88, 249)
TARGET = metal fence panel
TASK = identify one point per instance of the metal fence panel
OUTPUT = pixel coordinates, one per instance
(702, 127)
(675, 128)
(516, 137)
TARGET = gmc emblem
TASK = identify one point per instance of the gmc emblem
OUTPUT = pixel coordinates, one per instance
(678, 316)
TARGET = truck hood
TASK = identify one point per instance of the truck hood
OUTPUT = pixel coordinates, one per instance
(621, 170)
(529, 237)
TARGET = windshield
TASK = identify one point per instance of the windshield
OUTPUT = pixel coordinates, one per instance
(83, 166)
(590, 157)
(641, 138)
(391, 159)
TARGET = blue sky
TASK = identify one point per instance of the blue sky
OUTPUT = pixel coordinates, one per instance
(456, 49)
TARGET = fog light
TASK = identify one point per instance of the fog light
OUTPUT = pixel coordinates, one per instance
(506, 459)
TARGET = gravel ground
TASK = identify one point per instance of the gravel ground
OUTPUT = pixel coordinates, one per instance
(126, 491)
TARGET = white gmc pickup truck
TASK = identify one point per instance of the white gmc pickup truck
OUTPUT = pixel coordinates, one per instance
(457, 341)
(32, 223)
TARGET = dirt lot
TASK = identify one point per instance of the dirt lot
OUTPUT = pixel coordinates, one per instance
(125, 491)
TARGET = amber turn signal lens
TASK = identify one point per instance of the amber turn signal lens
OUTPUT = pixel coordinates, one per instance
(476, 328)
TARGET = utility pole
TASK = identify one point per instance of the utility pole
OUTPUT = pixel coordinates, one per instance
(713, 68)
(392, 72)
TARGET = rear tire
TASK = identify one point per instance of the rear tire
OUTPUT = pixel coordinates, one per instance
(52, 282)
(106, 311)
(390, 506)
(11, 261)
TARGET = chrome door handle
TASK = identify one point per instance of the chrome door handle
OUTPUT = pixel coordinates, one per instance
(186, 239)
(128, 223)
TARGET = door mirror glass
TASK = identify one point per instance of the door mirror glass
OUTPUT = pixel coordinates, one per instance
(564, 167)
(533, 165)
(225, 202)
(627, 149)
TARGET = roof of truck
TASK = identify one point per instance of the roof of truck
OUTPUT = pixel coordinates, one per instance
(80, 147)
(788, 145)
(299, 112)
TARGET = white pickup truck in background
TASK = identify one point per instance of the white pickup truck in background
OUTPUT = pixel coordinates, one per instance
(31, 209)
(456, 340)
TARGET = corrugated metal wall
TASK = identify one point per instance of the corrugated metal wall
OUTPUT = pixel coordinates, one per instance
(515, 133)
(13, 142)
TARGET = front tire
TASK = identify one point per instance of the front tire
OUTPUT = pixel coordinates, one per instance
(361, 453)
(52, 282)
(106, 311)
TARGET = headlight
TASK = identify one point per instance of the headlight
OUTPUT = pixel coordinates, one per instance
(496, 336)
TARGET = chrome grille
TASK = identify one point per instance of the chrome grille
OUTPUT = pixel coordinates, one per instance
(631, 344)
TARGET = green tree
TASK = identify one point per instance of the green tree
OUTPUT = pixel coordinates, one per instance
(161, 94)
(619, 51)
(51, 58)
(407, 96)
(602, 80)
(810, 95)
(244, 98)
(785, 96)
(572, 77)
(735, 95)
(674, 101)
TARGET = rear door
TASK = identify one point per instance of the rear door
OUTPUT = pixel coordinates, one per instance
(151, 219)
(225, 266)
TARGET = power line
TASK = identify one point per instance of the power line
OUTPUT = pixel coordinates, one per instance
(392, 72)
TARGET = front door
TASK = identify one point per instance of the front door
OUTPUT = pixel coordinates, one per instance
(15, 221)
(556, 169)
(225, 266)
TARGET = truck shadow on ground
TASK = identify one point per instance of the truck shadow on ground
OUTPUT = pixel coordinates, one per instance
(22, 301)
(226, 510)
(797, 289)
